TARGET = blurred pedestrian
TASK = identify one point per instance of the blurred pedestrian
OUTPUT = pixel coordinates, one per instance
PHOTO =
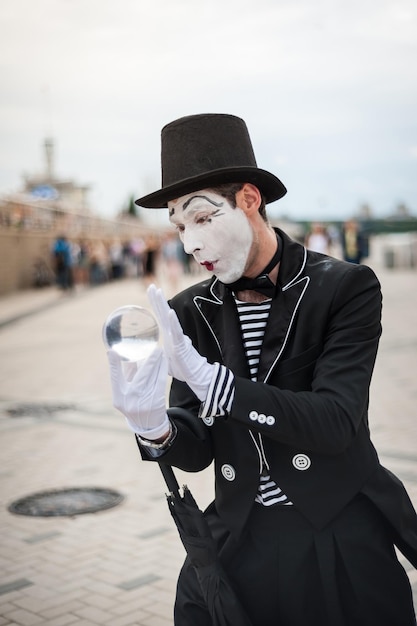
(354, 244)
(171, 254)
(98, 263)
(137, 250)
(117, 259)
(318, 239)
(151, 256)
(80, 253)
(63, 262)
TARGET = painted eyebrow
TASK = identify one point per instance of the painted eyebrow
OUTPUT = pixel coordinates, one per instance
(187, 204)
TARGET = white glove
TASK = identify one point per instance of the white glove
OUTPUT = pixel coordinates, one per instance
(184, 362)
(140, 395)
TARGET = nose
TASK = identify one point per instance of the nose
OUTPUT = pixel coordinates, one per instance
(190, 242)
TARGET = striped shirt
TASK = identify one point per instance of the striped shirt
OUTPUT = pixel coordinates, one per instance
(269, 493)
(253, 318)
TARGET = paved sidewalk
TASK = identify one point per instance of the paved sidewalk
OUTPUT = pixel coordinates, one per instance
(119, 567)
(20, 304)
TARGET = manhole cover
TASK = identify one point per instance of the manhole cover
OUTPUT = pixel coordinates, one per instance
(66, 502)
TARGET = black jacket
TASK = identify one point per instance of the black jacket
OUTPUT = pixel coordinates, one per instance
(308, 413)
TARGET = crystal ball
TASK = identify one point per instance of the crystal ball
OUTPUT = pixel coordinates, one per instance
(132, 332)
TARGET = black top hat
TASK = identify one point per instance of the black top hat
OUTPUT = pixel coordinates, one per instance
(200, 151)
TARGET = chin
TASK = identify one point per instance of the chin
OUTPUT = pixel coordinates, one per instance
(230, 275)
(227, 279)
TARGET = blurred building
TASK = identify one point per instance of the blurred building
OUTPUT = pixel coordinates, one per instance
(47, 186)
(44, 198)
(44, 207)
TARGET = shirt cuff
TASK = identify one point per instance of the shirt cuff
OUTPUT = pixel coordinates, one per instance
(220, 395)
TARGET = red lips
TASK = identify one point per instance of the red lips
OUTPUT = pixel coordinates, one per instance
(209, 266)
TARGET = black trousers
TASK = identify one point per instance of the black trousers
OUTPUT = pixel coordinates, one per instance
(286, 573)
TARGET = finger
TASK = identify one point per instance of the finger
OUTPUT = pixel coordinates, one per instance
(116, 370)
(154, 297)
(151, 291)
(162, 307)
(159, 304)
(175, 328)
(114, 363)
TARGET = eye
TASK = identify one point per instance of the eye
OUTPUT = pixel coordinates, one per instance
(180, 228)
(203, 219)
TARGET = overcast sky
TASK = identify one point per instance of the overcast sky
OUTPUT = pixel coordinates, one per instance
(327, 88)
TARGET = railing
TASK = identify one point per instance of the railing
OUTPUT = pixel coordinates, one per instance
(19, 212)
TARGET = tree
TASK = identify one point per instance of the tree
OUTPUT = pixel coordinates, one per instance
(132, 208)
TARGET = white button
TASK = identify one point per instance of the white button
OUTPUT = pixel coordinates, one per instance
(253, 415)
(209, 420)
(270, 420)
(301, 461)
(262, 418)
(228, 472)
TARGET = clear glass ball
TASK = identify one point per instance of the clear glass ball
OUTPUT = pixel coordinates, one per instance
(132, 332)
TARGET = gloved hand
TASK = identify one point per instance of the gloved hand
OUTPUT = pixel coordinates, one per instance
(184, 362)
(140, 394)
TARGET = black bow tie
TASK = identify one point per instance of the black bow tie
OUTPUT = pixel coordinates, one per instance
(262, 283)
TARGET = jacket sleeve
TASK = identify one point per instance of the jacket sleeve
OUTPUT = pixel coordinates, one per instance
(323, 416)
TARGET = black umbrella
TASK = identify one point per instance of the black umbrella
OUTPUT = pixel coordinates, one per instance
(222, 603)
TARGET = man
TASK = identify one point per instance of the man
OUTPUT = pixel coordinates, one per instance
(354, 244)
(63, 262)
(271, 358)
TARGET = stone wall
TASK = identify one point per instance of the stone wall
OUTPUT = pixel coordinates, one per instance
(22, 250)
(19, 252)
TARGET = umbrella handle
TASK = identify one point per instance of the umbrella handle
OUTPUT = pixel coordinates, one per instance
(169, 476)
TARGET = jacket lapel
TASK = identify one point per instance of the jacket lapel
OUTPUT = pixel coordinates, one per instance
(219, 313)
(280, 322)
(292, 285)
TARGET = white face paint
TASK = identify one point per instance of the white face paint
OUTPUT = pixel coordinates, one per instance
(216, 234)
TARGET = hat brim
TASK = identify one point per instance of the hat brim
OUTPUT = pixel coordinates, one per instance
(269, 185)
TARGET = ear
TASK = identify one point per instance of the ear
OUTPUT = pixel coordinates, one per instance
(249, 199)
